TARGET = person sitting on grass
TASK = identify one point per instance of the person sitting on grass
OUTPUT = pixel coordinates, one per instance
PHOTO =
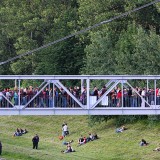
(143, 143)
(95, 136)
(90, 138)
(82, 140)
(69, 149)
(17, 132)
(25, 131)
(21, 130)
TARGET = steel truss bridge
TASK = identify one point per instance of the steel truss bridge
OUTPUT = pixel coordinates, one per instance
(83, 103)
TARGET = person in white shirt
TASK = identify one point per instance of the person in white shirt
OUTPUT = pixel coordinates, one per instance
(65, 130)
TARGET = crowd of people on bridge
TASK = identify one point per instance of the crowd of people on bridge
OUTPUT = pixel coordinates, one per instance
(59, 97)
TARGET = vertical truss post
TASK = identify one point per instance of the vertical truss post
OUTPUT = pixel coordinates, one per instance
(122, 93)
(53, 95)
(15, 83)
(88, 95)
(48, 98)
(82, 85)
(49, 87)
(147, 89)
(155, 98)
(155, 87)
(19, 93)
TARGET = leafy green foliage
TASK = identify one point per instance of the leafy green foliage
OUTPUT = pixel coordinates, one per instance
(100, 58)
(129, 45)
(98, 119)
(122, 120)
(31, 24)
(135, 45)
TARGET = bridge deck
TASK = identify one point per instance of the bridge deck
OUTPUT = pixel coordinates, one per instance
(80, 111)
(112, 99)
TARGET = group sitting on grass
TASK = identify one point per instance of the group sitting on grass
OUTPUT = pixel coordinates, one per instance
(83, 140)
(19, 132)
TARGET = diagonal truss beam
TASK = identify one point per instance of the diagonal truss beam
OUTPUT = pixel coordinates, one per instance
(8, 100)
(42, 83)
(110, 82)
(55, 82)
(109, 90)
(36, 95)
(68, 92)
(139, 94)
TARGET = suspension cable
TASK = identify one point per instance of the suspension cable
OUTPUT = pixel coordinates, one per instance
(79, 32)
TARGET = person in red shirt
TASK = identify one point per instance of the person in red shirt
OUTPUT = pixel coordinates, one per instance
(119, 97)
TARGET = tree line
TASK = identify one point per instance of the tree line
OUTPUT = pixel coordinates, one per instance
(129, 45)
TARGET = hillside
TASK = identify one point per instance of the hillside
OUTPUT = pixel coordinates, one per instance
(110, 145)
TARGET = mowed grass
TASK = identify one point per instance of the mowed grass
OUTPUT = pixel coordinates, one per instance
(110, 145)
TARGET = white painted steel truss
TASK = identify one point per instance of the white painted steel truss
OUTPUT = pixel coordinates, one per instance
(86, 107)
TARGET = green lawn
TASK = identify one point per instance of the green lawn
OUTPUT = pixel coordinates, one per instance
(110, 146)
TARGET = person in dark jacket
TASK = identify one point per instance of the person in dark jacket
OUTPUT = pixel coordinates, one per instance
(35, 141)
(0, 148)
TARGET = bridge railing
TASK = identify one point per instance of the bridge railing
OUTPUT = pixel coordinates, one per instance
(88, 92)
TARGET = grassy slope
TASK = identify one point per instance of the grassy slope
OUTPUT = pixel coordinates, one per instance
(110, 145)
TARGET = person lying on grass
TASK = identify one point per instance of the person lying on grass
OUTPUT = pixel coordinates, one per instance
(157, 149)
(143, 143)
(82, 140)
(66, 143)
(118, 130)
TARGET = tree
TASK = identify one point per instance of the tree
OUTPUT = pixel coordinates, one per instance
(65, 57)
(137, 52)
(100, 58)
(31, 24)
